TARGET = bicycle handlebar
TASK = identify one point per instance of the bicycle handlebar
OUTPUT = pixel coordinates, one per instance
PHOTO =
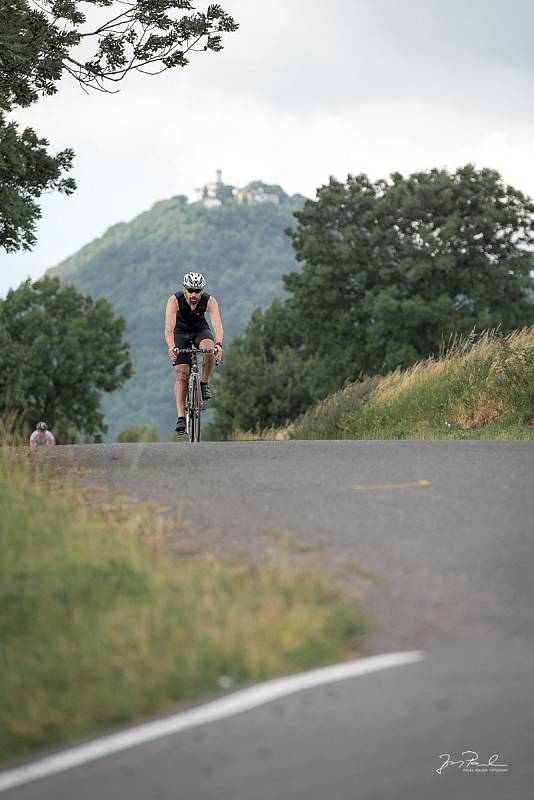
(195, 349)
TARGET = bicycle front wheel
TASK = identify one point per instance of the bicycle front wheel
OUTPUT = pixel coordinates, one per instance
(196, 410)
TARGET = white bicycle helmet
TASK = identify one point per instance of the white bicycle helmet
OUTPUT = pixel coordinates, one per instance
(194, 280)
(42, 426)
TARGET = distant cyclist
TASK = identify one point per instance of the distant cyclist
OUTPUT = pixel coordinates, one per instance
(185, 324)
(42, 436)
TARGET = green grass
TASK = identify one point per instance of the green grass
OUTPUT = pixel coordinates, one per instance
(99, 629)
(481, 388)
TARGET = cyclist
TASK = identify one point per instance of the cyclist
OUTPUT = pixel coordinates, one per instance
(42, 436)
(185, 324)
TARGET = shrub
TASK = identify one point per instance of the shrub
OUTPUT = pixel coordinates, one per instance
(139, 434)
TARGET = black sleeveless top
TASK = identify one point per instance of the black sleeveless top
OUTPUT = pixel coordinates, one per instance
(188, 320)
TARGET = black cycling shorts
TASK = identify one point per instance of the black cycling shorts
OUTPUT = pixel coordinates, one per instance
(187, 339)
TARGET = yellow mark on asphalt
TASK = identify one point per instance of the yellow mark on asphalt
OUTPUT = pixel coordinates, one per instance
(384, 487)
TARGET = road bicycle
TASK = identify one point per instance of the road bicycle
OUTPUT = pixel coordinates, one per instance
(194, 405)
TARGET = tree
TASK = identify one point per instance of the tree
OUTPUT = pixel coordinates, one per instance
(250, 395)
(39, 41)
(391, 270)
(59, 350)
(26, 171)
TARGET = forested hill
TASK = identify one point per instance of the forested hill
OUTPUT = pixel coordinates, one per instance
(242, 250)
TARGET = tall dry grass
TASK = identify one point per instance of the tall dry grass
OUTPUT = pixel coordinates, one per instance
(479, 385)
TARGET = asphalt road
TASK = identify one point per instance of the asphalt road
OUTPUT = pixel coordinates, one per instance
(442, 533)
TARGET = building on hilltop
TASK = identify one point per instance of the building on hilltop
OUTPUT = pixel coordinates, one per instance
(208, 194)
(252, 197)
(214, 194)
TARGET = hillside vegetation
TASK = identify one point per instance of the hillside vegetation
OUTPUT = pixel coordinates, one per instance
(241, 249)
(481, 387)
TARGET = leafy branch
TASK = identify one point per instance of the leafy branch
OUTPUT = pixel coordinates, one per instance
(37, 38)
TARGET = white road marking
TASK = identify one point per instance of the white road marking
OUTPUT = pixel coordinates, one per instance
(236, 703)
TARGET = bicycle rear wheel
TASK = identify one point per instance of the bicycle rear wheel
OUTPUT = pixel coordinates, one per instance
(196, 410)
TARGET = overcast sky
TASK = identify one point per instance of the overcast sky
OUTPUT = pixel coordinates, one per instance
(304, 90)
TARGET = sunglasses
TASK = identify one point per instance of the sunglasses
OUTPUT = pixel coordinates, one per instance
(193, 291)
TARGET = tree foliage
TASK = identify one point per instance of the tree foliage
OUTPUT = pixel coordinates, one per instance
(391, 270)
(26, 171)
(59, 350)
(264, 378)
(40, 41)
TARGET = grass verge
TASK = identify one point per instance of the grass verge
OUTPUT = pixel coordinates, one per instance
(99, 629)
(482, 387)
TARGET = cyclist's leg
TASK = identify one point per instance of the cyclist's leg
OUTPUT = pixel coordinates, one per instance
(180, 388)
(182, 367)
(204, 340)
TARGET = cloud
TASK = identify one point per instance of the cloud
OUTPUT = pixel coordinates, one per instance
(304, 56)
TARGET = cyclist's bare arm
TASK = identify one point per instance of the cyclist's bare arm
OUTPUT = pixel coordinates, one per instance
(170, 321)
(213, 310)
